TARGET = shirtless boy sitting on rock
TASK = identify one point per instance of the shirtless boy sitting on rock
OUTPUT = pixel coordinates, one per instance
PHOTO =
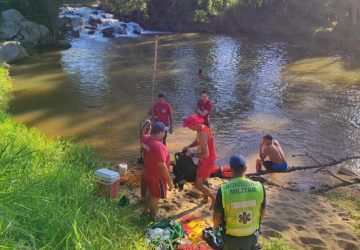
(271, 148)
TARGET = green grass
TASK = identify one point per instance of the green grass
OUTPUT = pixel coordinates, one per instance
(276, 244)
(350, 205)
(47, 194)
(5, 87)
(47, 197)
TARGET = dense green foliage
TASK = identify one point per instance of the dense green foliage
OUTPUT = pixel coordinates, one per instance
(47, 195)
(292, 18)
(287, 18)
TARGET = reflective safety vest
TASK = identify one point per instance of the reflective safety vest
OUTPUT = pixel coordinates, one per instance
(242, 199)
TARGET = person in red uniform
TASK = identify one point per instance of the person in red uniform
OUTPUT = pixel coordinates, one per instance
(204, 107)
(206, 153)
(155, 176)
(162, 111)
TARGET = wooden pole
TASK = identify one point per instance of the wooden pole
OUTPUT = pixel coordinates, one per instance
(154, 70)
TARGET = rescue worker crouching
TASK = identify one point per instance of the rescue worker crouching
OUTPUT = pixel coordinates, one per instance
(239, 208)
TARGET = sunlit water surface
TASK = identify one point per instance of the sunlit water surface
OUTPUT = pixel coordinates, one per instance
(100, 90)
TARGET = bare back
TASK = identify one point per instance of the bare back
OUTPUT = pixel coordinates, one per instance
(275, 153)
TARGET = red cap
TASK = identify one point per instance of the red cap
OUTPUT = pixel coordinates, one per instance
(192, 121)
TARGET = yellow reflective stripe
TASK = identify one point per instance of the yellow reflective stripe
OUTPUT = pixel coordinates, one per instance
(241, 232)
(242, 204)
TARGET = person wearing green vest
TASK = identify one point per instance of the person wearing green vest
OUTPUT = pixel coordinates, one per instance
(239, 209)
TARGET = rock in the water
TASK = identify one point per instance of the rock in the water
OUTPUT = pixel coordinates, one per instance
(64, 44)
(136, 28)
(46, 37)
(44, 31)
(90, 27)
(75, 33)
(12, 15)
(32, 29)
(94, 20)
(91, 32)
(108, 32)
(12, 51)
(8, 30)
(120, 30)
(137, 31)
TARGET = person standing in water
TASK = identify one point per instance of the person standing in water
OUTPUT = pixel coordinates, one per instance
(161, 111)
(204, 107)
(206, 154)
(271, 148)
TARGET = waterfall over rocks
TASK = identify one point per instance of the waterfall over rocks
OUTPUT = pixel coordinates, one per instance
(91, 22)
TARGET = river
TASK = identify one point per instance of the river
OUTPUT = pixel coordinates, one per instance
(100, 90)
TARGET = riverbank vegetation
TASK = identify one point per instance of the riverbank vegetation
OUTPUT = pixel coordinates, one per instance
(292, 19)
(47, 197)
(334, 20)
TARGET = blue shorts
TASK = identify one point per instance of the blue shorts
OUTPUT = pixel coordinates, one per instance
(269, 165)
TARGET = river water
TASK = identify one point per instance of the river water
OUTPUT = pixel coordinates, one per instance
(100, 89)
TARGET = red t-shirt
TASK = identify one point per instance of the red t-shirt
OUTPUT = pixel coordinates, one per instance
(162, 111)
(205, 106)
(154, 153)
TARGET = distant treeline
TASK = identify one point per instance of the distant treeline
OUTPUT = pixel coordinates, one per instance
(291, 18)
(295, 18)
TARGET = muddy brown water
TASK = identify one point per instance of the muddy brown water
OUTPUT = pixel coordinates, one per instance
(100, 89)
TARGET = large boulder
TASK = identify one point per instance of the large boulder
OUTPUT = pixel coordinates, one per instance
(23, 36)
(45, 35)
(8, 30)
(44, 31)
(108, 32)
(32, 29)
(63, 44)
(94, 20)
(12, 16)
(12, 51)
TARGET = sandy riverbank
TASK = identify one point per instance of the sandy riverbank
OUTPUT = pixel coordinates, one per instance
(306, 221)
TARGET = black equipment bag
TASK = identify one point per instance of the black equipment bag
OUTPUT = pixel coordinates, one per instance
(184, 170)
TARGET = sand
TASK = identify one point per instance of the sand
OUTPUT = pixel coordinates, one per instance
(305, 220)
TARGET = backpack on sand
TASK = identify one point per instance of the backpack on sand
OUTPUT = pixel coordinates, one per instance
(184, 170)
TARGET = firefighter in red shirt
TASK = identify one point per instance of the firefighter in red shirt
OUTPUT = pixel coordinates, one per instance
(206, 154)
(204, 107)
(155, 176)
(161, 111)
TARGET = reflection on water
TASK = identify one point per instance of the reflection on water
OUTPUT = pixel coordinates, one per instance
(100, 90)
(87, 69)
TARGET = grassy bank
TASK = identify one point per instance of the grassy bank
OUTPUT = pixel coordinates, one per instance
(47, 194)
